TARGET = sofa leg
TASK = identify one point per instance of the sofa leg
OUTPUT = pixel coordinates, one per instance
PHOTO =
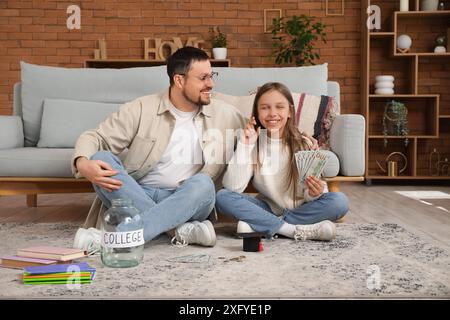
(333, 186)
(32, 200)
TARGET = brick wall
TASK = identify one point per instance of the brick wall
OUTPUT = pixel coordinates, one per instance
(35, 31)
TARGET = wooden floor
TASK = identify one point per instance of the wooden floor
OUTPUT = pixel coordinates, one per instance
(374, 204)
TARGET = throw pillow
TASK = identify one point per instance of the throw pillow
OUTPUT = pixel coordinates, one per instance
(64, 120)
(315, 115)
(243, 103)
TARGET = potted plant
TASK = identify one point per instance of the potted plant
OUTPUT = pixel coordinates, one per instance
(294, 39)
(219, 43)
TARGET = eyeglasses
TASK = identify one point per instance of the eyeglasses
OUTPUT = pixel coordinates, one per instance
(206, 77)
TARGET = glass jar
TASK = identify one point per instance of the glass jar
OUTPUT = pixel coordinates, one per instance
(122, 235)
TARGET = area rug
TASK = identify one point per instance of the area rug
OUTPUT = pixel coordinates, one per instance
(364, 261)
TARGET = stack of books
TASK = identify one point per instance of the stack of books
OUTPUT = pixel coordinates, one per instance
(41, 256)
(71, 273)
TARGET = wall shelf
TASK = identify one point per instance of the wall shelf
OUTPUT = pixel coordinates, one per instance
(422, 83)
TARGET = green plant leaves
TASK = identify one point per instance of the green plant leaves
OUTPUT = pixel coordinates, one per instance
(218, 38)
(294, 39)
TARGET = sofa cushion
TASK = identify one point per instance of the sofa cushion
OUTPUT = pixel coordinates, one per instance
(36, 162)
(39, 162)
(241, 81)
(99, 85)
(331, 169)
(64, 120)
(347, 140)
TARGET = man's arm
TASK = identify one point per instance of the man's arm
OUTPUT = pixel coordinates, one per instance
(114, 134)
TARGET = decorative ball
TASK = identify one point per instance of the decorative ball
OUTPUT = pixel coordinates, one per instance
(404, 42)
(441, 40)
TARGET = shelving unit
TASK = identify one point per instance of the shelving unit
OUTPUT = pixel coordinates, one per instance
(133, 63)
(422, 83)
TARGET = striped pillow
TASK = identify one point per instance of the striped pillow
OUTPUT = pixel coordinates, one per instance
(314, 115)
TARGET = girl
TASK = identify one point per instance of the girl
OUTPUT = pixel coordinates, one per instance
(266, 154)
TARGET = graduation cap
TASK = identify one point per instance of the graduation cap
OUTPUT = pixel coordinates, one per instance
(252, 241)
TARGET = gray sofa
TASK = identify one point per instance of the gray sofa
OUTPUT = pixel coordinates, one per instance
(52, 106)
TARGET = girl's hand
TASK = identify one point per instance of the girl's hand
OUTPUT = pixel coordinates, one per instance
(249, 135)
(315, 186)
(312, 143)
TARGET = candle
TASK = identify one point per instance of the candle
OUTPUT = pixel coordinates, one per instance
(404, 5)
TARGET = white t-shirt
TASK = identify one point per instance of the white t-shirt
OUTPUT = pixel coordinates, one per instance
(183, 157)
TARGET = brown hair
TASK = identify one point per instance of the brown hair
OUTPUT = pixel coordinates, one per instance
(181, 61)
(291, 135)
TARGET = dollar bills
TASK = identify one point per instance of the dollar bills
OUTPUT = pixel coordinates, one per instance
(310, 163)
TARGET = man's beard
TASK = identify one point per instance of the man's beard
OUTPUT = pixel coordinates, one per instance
(199, 102)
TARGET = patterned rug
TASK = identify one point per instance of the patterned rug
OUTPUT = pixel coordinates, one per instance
(365, 260)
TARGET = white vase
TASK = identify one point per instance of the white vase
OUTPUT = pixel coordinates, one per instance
(440, 49)
(384, 77)
(429, 5)
(404, 5)
(384, 91)
(384, 84)
(220, 53)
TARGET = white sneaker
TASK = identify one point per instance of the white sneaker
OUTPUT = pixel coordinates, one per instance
(88, 239)
(324, 230)
(195, 232)
(244, 227)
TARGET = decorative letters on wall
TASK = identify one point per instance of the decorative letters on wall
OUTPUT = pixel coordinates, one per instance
(161, 49)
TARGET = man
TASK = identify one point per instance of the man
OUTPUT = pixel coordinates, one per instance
(175, 143)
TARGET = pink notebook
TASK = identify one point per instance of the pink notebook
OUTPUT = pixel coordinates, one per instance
(51, 252)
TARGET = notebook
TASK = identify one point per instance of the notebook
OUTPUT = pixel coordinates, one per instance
(70, 273)
(50, 252)
(17, 262)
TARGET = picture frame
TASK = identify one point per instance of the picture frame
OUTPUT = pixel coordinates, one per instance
(328, 13)
(270, 14)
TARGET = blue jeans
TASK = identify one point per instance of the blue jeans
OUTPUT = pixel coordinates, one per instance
(160, 209)
(258, 214)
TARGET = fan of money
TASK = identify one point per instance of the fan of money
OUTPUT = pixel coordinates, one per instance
(310, 163)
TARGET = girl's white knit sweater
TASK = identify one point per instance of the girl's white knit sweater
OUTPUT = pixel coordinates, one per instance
(270, 179)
